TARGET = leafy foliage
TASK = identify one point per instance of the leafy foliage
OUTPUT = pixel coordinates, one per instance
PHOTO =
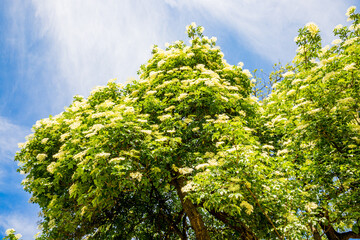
(186, 150)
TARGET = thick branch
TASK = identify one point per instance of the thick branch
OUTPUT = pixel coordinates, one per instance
(194, 216)
(315, 232)
(246, 233)
(164, 212)
(332, 234)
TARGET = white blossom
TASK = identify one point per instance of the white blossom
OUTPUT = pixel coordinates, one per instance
(102, 155)
(9, 231)
(291, 92)
(117, 159)
(219, 143)
(75, 125)
(185, 170)
(97, 89)
(80, 155)
(336, 42)
(164, 117)
(346, 100)
(150, 92)
(339, 26)
(188, 187)
(41, 156)
(64, 136)
(51, 167)
(213, 162)
(310, 206)
(203, 165)
(146, 131)
(161, 139)
(182, 96)
(350, 11)
(136, 175)
(247, 73)
(282, 152)
(288, 74)
(169, 108)
(349, 67)
(312, 28)
(270, 147)
(314, 111)
(18, 236)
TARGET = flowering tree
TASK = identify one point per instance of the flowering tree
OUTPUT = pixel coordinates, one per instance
(186, 151)
(312, 121)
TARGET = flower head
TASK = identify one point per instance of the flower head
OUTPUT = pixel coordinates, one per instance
(338, 27)
(18, 236)
(336, 42)
(350, 11)
(312, 28)
(9, 231)
(41, 156)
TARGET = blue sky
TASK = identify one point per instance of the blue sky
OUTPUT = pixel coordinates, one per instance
(52, 50)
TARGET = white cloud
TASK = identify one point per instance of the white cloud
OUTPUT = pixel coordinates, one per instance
(269, 26)
(94, 41)
(24, 224)
(23, 219)
(84, 43)
(10, 135)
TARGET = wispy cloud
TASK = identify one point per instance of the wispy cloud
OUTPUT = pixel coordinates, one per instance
(15, 211)
(84, 43)
(94, 41)
(269, 27)
(23, 223)
(10, 135)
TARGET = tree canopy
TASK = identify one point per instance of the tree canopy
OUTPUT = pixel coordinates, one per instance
(187, 151)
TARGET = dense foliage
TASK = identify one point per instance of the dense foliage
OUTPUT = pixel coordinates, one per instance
(187, 152)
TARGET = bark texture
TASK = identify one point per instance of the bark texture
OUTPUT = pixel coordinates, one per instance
(190, 209)
(332, 234)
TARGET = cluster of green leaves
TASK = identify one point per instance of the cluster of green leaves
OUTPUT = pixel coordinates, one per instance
(134, 162)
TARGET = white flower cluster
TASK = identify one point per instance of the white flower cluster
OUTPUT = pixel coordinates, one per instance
(102, 155)
(190, 186)
(136, 175)
(41, 156)
(185, 170)
(312, 28)
(350, 11)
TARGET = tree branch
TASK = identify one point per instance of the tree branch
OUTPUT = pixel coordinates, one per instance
(190, 209)
(246, 233)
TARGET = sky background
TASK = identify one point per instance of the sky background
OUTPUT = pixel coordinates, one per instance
(53, 50)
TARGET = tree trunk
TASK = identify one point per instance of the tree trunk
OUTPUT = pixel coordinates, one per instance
(194, 216)
(332, 234)
(315, 232)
